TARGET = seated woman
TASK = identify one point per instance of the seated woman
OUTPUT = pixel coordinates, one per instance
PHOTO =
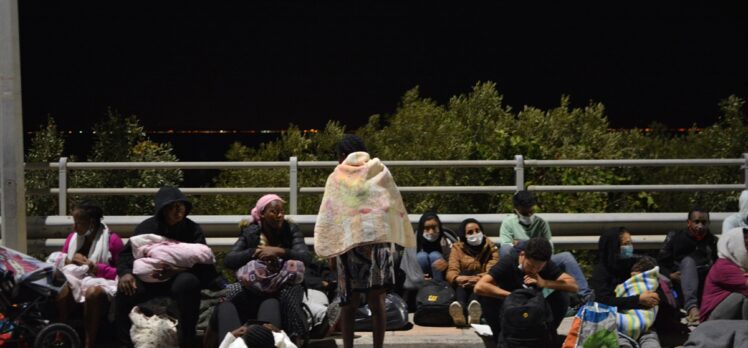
(90, 244)
(726, 286)
(434, 243)
(268, 237)
(614, 266)
(469, 259)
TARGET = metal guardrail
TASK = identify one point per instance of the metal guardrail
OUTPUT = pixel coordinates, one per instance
(293, 165)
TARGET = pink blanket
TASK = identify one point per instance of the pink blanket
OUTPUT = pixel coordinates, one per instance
(152, 251)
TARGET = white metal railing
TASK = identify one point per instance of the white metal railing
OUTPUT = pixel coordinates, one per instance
(293, 165)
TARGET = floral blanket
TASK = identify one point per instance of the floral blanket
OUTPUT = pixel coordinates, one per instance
(361, 206)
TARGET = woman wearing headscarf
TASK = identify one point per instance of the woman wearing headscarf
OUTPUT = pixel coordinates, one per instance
(726, 287)
(615, 256)
(433, 245)
(469, 259)
(739, 219)
(268, 237)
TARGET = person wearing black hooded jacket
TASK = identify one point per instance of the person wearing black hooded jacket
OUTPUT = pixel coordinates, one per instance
(170, 221)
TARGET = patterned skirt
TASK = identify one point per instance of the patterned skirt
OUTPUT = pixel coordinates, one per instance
(365, 268)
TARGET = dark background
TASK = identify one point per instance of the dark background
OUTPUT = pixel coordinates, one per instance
(270, 63)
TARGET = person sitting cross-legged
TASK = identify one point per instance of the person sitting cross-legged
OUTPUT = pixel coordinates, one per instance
(528, 266)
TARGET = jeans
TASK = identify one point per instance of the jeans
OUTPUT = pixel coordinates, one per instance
(426, 260)
(691, 276)
(650, 339)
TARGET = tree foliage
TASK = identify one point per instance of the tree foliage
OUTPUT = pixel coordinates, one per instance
(47, 145)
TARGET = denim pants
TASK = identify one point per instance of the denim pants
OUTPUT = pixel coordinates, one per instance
(426, 260)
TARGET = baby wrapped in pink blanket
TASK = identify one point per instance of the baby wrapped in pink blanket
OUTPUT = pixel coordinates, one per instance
(152, 252)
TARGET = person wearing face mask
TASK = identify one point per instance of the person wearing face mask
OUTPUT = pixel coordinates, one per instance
(91, 244)
(528, 266)
(469, 259)
(686, 257)
(433, 244)
(523, 225)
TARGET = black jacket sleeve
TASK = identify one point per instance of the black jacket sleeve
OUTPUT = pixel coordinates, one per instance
(240, 253)
(603, 283)
(299, 250)
(665, 259)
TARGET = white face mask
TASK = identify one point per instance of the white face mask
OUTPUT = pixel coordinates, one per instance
(89, 232)
(431, 237)
(526, 220)
(475, 239)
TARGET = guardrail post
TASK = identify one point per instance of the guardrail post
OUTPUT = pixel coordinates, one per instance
(62, 196)
(745, 169)
(293, 184)
(519, 172)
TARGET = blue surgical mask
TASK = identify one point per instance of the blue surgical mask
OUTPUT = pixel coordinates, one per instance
(627, 251)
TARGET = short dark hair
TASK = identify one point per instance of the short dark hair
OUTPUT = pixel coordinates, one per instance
(91, 210)
(645, 263)
(350, 144)
(700, 210)
(524, 198)
(538, 249)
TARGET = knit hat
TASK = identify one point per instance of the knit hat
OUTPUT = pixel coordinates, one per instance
(258, 336)
(262, 203)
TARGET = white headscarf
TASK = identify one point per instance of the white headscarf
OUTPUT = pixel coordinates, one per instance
(743, 204)
(731, 246)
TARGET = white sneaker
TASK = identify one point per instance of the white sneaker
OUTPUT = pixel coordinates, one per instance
(455, 311)
(474, 312)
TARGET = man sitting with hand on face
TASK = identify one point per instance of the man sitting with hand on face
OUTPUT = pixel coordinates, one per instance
(528, 266)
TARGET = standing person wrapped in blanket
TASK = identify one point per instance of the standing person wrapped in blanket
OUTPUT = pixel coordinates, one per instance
(615, 266)
(89, 257)
(269, 259)
(183, 285)
(361, 214)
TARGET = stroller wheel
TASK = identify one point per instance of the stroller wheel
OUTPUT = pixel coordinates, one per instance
(57, 335)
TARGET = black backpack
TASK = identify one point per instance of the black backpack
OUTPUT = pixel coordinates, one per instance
(526, 320)
(432, 304)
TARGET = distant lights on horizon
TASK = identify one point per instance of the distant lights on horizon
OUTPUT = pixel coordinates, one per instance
(199, 131)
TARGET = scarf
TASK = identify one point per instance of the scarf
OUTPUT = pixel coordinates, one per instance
(743, 214)
(361, 206)
(731, 246)
(99, 251)
(261, 204)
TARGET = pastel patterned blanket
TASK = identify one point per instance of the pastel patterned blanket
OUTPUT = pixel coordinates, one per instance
(361, 206)
(635, 322)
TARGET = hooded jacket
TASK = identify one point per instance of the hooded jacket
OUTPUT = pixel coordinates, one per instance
(679, 244)
(611, 270)
(186, 231)
(741, 218)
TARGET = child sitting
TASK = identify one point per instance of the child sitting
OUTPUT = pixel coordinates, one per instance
(634, 325)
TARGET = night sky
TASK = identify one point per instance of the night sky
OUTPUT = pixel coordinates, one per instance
(270, 63)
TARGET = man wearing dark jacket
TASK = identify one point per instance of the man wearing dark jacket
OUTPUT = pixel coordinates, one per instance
(170, 221)
(686, 257)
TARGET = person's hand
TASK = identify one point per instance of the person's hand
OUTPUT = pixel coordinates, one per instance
(80, 259)
(472, 280)
(269, 252)
(92, 268)
(675, 276)
(649, 299)
(461, 280)
(535, 280)
(165, 272)
(440, 265)
(127, 284)
(240, 331)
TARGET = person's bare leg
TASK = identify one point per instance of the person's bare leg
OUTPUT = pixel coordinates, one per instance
(96, 301)
(64, 303)
(347, 319)
(375, 300)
